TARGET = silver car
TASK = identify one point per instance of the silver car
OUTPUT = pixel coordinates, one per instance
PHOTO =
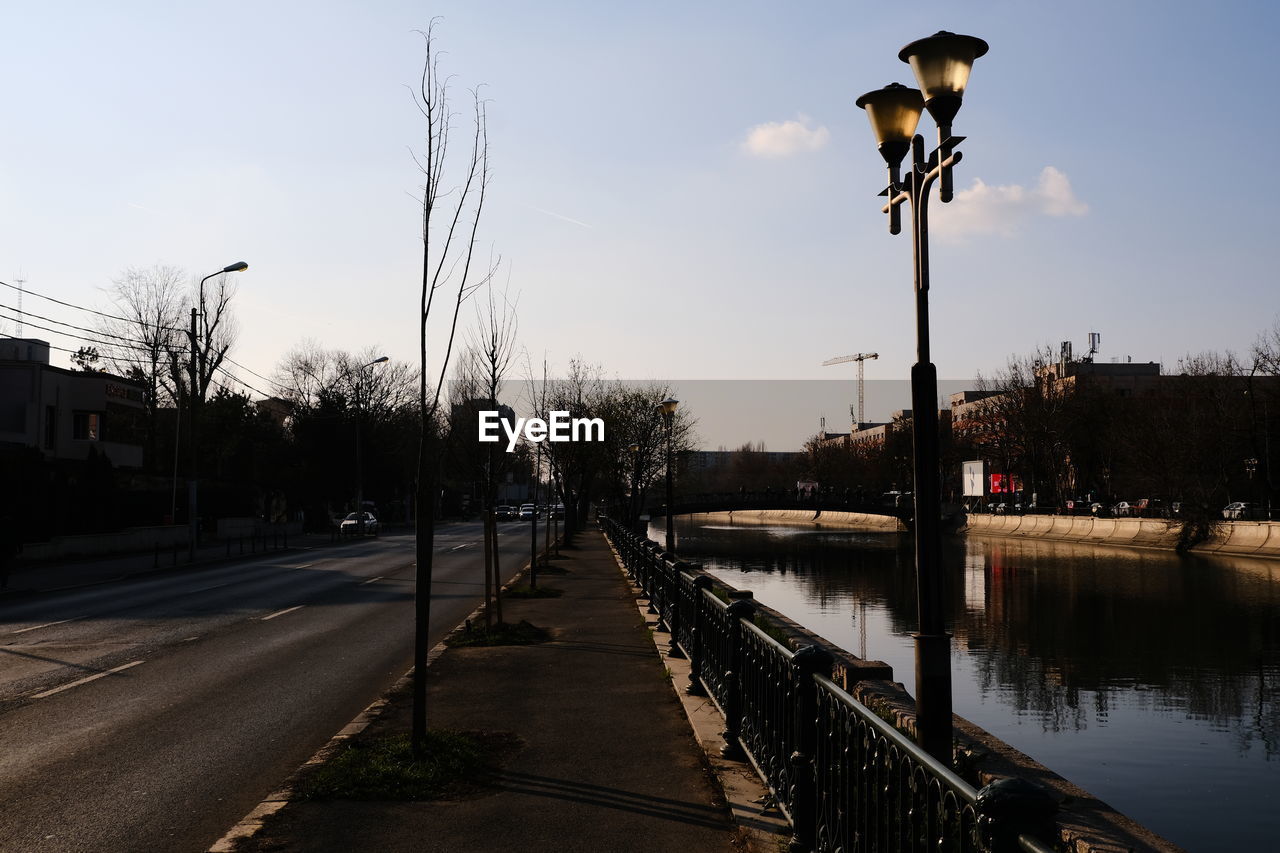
(351, 525)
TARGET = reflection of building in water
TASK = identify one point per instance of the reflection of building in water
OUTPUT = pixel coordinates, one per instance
(975, 576)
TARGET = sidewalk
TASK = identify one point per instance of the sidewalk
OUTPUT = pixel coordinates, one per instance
(605, 759)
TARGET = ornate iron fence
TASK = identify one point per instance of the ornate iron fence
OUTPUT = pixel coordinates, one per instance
(846, 780)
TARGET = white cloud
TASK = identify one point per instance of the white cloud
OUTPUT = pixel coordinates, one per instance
(984, 209)
(784, 138)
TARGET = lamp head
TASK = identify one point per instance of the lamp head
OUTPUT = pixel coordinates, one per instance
(668, 406)
(894, 112)
(238, 266)
(942, 63)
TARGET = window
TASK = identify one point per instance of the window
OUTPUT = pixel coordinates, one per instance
(87, 426)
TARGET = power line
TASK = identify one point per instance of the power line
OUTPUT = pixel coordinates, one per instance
(92, 310)
(80, 337)
(254, 372)
(147, 344)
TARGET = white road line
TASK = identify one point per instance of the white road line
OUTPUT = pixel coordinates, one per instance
(371, 580)
(460, 547)
(304, 566)
(85, 680)
(283, 612)
(48, 625)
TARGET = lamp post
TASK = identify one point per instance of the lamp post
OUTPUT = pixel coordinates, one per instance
(198, 353)
(635, 488)
(668, 409)
(941, 63)
(359, 450)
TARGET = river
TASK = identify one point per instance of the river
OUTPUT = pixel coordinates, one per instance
(1150, 679)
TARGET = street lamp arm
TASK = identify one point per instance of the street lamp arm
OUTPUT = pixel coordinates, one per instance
(927, 179)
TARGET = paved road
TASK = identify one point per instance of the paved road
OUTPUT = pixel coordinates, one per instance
(152, 714)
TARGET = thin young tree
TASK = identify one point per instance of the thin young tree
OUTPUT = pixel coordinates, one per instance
(450, 220)
(492, 351)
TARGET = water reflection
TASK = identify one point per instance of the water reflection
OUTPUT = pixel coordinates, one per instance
(1138, 674)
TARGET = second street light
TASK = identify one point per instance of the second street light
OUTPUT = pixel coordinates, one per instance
(941, 63)
(668, 409)
(199, 375)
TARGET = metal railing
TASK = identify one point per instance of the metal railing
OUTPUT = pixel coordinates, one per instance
(845, 779)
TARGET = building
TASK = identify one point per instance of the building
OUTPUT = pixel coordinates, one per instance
(66, 413)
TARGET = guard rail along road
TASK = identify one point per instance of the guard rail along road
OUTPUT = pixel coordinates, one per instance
(846, 779)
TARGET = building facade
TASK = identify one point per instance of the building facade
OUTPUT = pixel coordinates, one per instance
(65, 413)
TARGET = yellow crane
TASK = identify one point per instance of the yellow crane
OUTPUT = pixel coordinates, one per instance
(861, 358)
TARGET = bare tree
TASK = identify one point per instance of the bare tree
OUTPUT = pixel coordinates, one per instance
(450, 219)
(143, 326)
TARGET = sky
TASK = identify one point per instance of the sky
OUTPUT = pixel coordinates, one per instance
(679, 190)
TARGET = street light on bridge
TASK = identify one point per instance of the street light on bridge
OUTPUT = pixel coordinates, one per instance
(941, 63)
(668, 410)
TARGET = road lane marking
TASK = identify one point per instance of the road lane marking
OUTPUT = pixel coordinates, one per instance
(283, 612)
(48, 625)
(86, 680)
(464, 545)
(304, 566)
(371, 580)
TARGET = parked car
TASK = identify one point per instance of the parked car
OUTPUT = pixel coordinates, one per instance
(1236, 511)
(504, 512)
(527, 511)
(351, 525)
(1122, 509)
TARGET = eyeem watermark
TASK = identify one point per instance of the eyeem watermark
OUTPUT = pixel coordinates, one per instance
(560, 427)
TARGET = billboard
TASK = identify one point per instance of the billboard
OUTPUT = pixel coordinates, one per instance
(974, 479)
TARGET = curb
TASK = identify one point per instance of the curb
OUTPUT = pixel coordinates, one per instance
(249, 825)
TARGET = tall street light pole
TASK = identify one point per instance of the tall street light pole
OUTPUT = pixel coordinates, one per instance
(359, 451)
(198, 358)
(941, 63)
(668, 409)
(634, 514)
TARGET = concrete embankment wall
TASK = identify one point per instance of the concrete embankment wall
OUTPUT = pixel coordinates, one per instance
(851, 520)
(1243, 538)
(1249, 538)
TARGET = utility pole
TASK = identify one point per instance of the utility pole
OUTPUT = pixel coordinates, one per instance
(193, 517)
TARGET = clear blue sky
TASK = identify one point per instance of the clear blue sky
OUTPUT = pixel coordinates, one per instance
(645, 225)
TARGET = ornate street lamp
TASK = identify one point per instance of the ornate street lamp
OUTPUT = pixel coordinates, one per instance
(941, 63)
(198, 357)
(668, 410)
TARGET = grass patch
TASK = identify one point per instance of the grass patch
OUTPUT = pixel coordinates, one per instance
(502, 634)
(525, 591)
(385, 769)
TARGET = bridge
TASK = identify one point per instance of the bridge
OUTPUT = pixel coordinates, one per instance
(752, 501)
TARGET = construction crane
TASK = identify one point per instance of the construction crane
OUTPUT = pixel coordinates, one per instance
(860, 358)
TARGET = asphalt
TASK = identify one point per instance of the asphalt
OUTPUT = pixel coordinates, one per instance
(603, 755)
(28, 577)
